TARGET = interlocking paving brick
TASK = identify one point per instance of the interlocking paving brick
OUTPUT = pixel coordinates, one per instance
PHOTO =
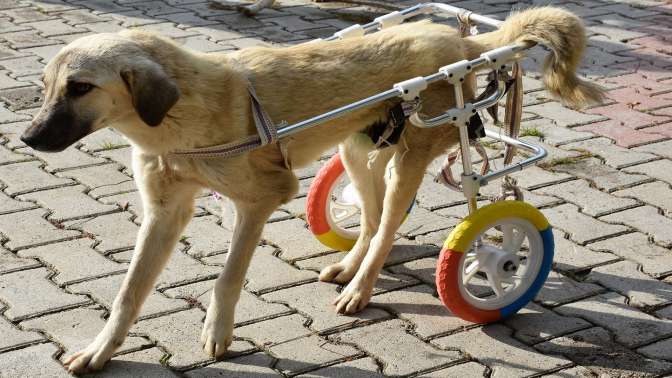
(494, 346)
(634, 98)
(580, 227)
(400, 352)
(13, 337)
(403, 250)
(253, 365)
(114, 231)
(186, 20)
(104, 290)
(636, 246)
(102, 6)
(9, 157)
(315, 300)
(103, 180)
(205, 237)
(562, 116)
(294, 23)
(155, 8)
(7, 82)
(34, 361)
(309, 352)
(570, 257)
(625, 278)
(81, 16)
(20, 40)
(422, 222)
(552, 134)
(10, 205)
(590, 200)
(645, 219)
(68, 159)
(660, 169)
(360, 368)
(179, 333)
(29, 293)
(661, 350)
(603, 176)
(9, 116)
(432, 195)
(419, 306)
(663, 149)
(167, 29)
(22, 98)
(9, 262)
(26, 177)
(73, 260)
(51, 28)
(181, 268)
(18, 227)
(258, 277)
(76, 329)
(534, 323)
(144, 363)
(293, 238)
(248, 310)
(274, 331)
(68, 203)
(559, 289)
(594, 349)
(624, 135)
(630, 326)
(613, 155)
(656, 193)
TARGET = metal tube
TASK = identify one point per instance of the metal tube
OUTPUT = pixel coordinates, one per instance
(294, 128)
(445, 118)
(538, 151)
(457, 11)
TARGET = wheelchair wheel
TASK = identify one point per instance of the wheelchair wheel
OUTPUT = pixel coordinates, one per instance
(333, 207)
(495, 261)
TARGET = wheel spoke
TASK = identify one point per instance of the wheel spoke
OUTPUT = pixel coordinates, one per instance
(341, 211)
(513, 239)
(470, 272)
(495, 283)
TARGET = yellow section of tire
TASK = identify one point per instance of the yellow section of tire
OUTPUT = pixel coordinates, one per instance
(463, 235)
(335, 241)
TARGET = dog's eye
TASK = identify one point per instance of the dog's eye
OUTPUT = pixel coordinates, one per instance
(79, 89)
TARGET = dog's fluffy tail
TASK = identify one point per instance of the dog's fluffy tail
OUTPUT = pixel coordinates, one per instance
(564, 34)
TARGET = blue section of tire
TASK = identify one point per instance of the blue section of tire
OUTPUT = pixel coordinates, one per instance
(546, 264)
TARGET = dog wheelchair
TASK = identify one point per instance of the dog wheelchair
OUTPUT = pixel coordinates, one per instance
(497, 259)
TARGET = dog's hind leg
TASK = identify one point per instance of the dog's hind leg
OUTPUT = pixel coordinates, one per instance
(407, 173)
(370, 185)
(168, 206)
(250, 218)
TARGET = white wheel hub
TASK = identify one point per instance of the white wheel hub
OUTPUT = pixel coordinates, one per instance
(342, 207)
(493, 276)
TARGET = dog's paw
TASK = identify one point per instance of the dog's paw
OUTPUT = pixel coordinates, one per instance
(337, 273)
(217, 334)
(352, 299)
(90, 359)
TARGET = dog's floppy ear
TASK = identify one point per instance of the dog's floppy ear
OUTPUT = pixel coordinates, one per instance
(153, 92)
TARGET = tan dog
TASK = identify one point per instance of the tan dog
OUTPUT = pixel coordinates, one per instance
(163, 97)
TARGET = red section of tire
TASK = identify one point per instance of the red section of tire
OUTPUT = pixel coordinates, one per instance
(318, 195)
(447, 276)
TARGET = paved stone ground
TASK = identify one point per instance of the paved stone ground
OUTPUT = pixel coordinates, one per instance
(68, 222)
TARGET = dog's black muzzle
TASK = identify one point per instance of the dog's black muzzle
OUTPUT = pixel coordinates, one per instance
(54, 129)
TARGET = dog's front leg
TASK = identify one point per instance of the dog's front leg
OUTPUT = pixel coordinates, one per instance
(217, 332)
(407, 173)
(168, 207)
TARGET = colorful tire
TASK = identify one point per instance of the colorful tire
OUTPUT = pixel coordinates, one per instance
(319, 211)
(513, 278)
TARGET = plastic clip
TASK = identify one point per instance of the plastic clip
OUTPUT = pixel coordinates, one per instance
(410, 89)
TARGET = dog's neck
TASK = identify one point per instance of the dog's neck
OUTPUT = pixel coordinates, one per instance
(213, 107)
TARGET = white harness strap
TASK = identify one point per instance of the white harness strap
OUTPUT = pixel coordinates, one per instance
(266, 130)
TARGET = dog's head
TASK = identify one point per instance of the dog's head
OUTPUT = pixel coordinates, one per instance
(95, 82)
